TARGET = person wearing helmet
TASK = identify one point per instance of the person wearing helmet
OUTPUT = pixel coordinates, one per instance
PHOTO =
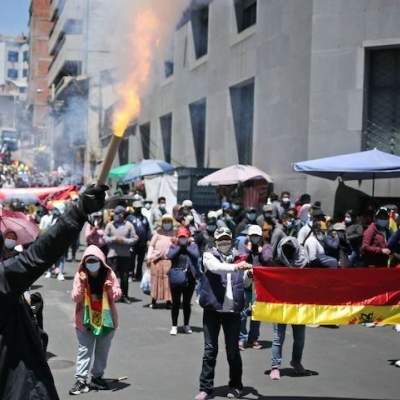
(24, 372)
(184, 255)
(143, 231)
(222, 300)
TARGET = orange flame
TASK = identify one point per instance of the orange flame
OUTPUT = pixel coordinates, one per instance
(143, 39)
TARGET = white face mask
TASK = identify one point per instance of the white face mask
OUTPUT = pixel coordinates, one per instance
(167, 227)
(93, 267)
(224, 246)
(10, 243)
(147, 206)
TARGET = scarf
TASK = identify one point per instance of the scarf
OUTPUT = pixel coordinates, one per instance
(97, 316)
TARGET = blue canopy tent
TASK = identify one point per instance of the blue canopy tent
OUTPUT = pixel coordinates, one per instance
(371, 164)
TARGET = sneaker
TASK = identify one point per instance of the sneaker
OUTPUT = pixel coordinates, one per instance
(60, 277)
(397, 363)
(234, 393)
(202, 396)
(256, 345)
(99, 384)
(47, 275)
(298, 368)
(125, 300)
(313, 326)
(79, 388)
(397, 328)
(187, 329)
(173, 331)
(369, 325)
(275, 374)
(242, 345)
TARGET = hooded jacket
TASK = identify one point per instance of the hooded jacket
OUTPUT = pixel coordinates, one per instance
(24, 372)
(77, 294)
(299, 259)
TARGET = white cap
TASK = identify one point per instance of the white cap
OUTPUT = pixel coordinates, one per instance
(255, 230)
(222, 232)
(212, 214)
(187, 203)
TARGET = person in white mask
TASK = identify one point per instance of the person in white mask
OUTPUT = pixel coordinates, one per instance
(95, 291)
(10, 248)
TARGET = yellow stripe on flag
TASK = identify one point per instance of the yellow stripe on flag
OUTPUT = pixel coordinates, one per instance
(303, 314)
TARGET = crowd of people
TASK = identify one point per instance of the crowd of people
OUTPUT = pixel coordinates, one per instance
(176, 253)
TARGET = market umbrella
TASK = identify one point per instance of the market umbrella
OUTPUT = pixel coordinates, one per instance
(120, 172)
(234, 175)
(145, 168)
(370, 164)
(26, 230)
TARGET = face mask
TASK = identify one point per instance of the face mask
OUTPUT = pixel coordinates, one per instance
(147, 206)
(211, 228)
(235, 207)
(162, 206)
(93, 267)
(251, 216)
(286, 200)
(10, 243)
(224, 246)
(118, 218)
(167, 227)
(382, 223)
(56, 214)
(182, 241)
(347, 220)
(255, 240)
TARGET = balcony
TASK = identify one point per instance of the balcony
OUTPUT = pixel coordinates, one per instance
(72, 11)
(71, 50)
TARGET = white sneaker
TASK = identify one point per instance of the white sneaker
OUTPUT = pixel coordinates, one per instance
(313, 326)
(173, 331)
(397, 328)
(60, 277)
(187, 329)
(48, 274)
(397, 363)
(370, 324)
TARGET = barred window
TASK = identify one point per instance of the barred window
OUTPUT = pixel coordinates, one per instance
(382, 100)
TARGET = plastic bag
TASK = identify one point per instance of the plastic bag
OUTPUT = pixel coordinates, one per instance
(145, 283)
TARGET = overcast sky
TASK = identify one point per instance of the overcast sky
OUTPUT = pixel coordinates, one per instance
(14, 16)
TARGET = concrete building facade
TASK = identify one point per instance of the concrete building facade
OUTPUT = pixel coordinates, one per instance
(271, 82)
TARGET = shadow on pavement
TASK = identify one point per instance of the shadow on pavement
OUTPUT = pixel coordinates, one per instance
(222, 391)
(115, 385)
(290, 372)
(266, 344)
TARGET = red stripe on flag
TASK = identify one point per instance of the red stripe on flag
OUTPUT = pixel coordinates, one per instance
(356, 286)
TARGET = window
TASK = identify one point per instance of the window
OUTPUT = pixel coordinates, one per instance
(242, 100)
(25, 73)
(26, 56)
(13, 56)
(145, 138)
(12, 73)
(166, 134)
(123, 152)
(382, 100)
(199, 18)
(22, 89)
(246, 14)
(168, 68)
(198, 119)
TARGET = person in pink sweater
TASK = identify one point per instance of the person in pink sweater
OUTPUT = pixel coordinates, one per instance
(95, 291)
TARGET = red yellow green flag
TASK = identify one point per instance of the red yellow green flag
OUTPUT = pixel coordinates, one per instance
(327, 296)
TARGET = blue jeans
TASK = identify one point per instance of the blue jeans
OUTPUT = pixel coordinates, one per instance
(254, 332)
(278, 338)
(60, 263)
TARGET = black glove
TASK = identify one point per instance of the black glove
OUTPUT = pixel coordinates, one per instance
(92, 199)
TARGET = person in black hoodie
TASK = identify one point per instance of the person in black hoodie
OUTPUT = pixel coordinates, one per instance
(24, 372)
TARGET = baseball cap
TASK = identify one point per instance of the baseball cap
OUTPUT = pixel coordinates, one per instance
(254, 230)
(187, 203)
(267, 208)
(119, 210)
(222, 232)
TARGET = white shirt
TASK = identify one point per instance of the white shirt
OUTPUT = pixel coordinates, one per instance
(313, 248)
(303, 233)
(45, 222)
(212, 264)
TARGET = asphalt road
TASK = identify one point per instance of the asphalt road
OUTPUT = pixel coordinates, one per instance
(348, 363)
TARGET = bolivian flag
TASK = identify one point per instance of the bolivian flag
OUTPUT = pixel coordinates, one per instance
(327, 296)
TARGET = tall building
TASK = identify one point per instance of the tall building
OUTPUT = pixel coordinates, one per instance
(270, 83)
(14, 53)
(39, 61)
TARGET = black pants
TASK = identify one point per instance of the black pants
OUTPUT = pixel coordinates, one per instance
(120, 266)
(186, 293)
(138, 255)
(212, 322)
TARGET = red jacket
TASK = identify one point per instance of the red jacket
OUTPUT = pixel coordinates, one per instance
(373, 242)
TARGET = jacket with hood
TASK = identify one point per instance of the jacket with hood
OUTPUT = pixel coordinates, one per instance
(299, 259)
(24, 372)
(114, 292)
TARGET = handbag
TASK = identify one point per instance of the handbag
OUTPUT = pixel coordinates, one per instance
(178, 277)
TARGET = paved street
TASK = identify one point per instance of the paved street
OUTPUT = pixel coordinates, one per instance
(349, 363)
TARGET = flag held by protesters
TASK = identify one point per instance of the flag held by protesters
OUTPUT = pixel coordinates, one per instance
(327, 296)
